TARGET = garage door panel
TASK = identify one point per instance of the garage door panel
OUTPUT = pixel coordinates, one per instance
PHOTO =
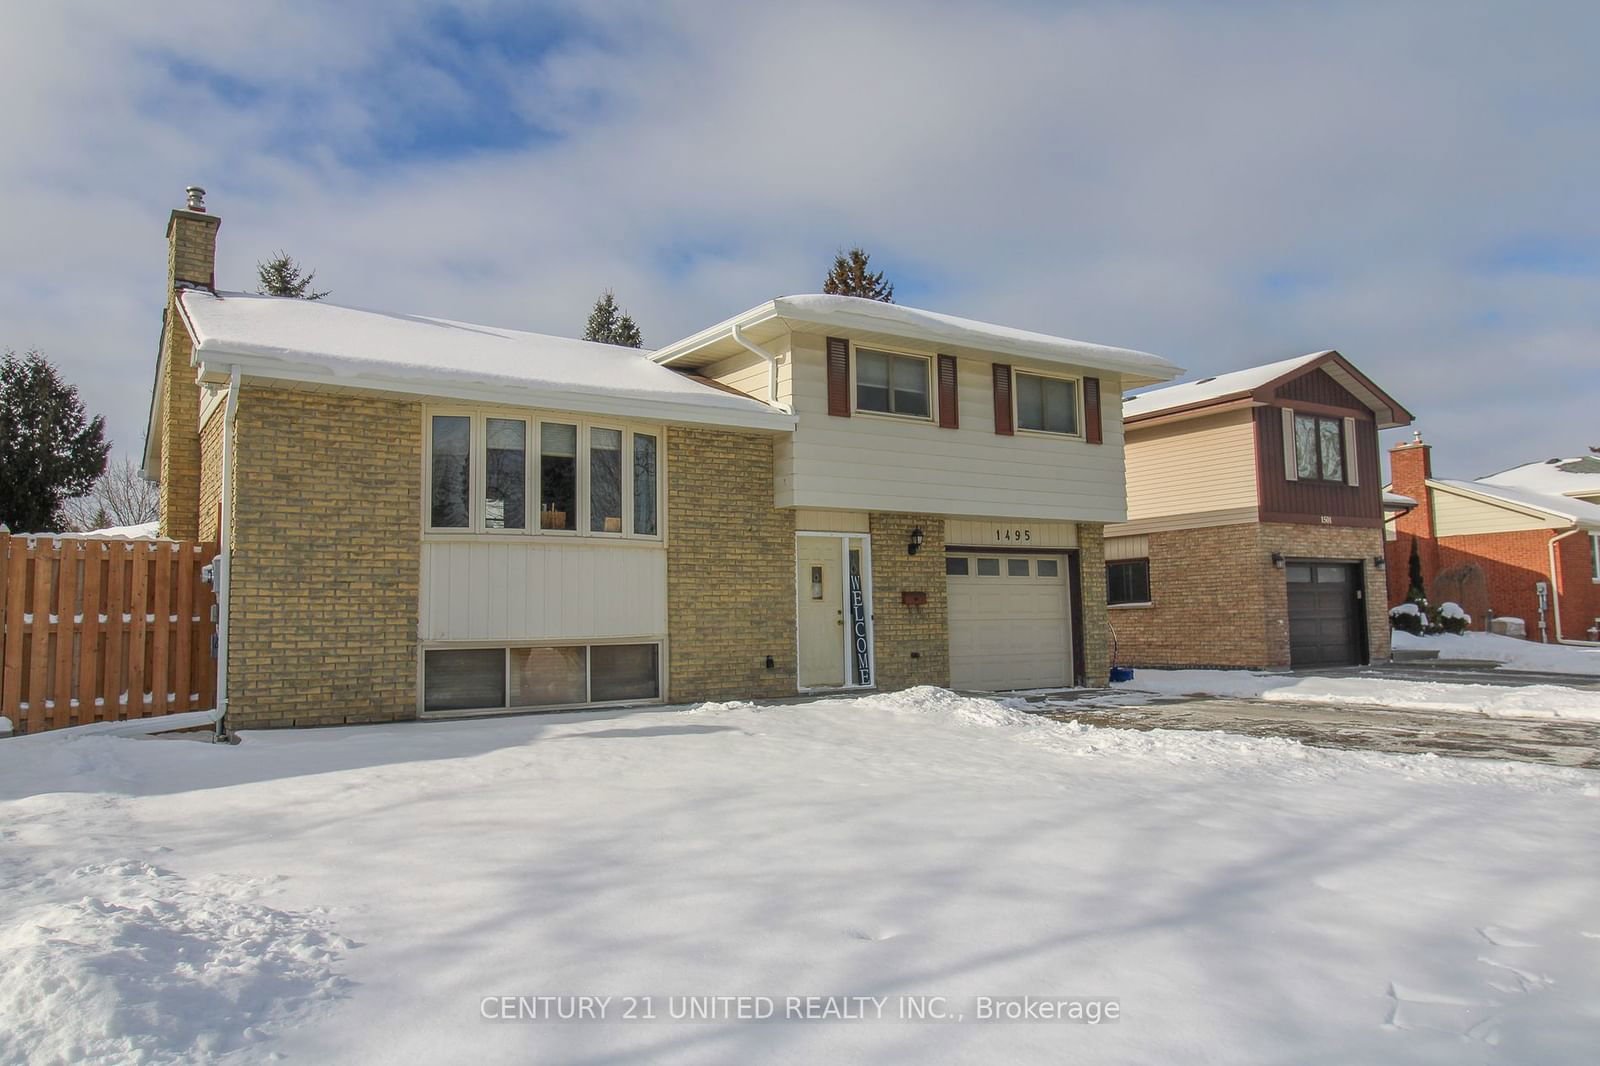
(1325, 620)
(1009, 631)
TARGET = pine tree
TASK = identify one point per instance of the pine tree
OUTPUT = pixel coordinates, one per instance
(280, 276)
(609, 324)
(850, 277)
(49, 450)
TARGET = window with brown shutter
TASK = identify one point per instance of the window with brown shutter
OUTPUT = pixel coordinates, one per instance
(1002, 400)
(949, 416)
(839, 377)
(1091, 410)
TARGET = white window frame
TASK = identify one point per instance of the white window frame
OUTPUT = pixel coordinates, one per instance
(1016, 412)
(533, 467)
(928, 375)
(625, 489)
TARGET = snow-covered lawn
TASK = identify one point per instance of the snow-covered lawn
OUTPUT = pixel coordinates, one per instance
(354, 895)
(1510, 652)
(1504, 701)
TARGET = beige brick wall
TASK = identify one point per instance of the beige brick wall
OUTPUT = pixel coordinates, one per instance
(730, 569)
(1210, 610)
(1096, 634)
(1219, 601)
(191, 260)
(1324, 542)
(211, 473)
(180, 439)
(911, 644)
(326, 558)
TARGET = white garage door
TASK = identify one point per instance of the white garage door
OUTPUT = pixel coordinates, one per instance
(1008, 621)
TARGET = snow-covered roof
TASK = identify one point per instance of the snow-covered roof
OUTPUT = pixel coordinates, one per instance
(1219, 387)
(1578, 476)
(1561, 507)
(327, 343)
(862, 316)
(1394, 501)
(1238, 385)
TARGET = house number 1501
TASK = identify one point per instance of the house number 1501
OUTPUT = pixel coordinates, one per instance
(1014, 535)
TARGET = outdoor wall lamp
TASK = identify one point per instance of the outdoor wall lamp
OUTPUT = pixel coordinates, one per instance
(916, 542)
(1378, 562)
(1277, 560)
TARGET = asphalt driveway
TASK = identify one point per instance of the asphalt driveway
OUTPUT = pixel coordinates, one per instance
(1559, 742)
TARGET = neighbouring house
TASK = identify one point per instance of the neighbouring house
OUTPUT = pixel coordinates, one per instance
(1523, 543)
(421, 517)
(1255, 520)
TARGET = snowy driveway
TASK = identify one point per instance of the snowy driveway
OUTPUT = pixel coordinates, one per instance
(1353, 727)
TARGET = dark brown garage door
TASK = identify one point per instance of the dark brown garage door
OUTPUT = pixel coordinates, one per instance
(1325, 614)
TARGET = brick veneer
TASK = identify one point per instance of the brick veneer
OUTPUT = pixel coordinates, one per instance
(211, 473)
(730, 569)
(191, 261)
(1096, 618)
(326, 559)
(1219, 602)
(911, 644)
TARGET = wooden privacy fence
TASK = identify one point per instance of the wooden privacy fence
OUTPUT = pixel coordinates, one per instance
(103, 630)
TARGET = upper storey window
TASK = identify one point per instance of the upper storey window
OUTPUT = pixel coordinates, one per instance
(1047, 404)
(1318, 447)
(892, 384)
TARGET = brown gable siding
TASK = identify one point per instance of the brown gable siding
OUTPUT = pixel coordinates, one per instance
(1318, 387)
(1306, 502)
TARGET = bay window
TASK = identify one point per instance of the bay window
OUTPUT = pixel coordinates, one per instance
(486, 470)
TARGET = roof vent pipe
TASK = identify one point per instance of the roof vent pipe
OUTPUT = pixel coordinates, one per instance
(196, 197)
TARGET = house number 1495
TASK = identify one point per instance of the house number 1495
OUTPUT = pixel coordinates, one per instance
(1015, 535)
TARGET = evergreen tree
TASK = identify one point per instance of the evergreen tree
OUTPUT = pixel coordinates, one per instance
(280, 276)
(851, 277)
(49, 450)
(1415, 594)
(609, 324)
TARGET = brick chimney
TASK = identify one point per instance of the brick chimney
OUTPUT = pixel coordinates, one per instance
(1410, 466)
(191, 264)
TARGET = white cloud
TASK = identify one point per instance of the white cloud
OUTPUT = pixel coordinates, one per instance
(1132, 174)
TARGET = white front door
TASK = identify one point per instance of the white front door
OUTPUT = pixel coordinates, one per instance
(1009, 624)
(821, 619)
(833, 586)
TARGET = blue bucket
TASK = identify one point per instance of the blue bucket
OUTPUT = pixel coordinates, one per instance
(1122, 673)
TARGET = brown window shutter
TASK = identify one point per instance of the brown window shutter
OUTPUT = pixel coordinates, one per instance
(1091, 411)
(1002, 400)
(839, 377)
(949, 414)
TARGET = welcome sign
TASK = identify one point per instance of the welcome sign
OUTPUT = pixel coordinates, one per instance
(858, 631)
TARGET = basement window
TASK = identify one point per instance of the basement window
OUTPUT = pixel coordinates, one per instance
(539, 678)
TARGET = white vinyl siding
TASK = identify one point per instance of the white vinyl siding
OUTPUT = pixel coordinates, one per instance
(507, 588)
(1205, 464)
(870, 463)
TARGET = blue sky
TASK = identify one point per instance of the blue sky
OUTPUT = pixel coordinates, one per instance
(1225, 185)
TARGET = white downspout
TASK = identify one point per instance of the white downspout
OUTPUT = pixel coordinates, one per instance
(1555, 585)
(772, 367)
(225, 551)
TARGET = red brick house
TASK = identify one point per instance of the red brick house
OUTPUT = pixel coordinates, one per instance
(1492, 544)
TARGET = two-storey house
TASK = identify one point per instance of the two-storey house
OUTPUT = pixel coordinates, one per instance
(421, 517)
(1255, 520)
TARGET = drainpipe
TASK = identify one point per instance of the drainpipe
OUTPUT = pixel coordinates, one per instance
(224, 569)
(772, 368)
(1555, 584)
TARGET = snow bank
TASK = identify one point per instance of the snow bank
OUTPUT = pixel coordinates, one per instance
(1510, 652)
(1524, 701)
(129, 962)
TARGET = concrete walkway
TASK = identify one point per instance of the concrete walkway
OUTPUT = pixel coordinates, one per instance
(1356, 726)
